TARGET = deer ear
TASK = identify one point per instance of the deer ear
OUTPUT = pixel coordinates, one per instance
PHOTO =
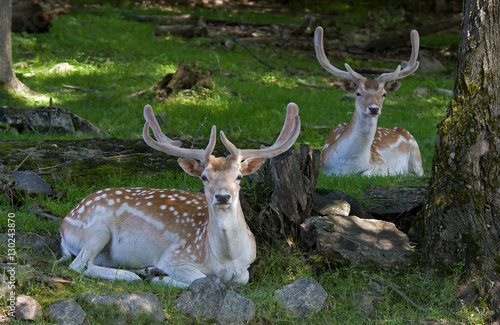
(392, 86)
(190, 166)
(348, 85)
(251, 165)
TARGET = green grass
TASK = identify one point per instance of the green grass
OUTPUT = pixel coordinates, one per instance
(114, 57)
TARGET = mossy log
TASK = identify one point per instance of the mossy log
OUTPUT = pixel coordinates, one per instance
(91, 159)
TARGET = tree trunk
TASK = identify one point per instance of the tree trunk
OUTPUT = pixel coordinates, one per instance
(6, 74)
(461, 218)
(289, 186)
(7, 78)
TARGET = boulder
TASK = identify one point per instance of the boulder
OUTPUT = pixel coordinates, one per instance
(27, 308)
(357, 241)
(31, 183)
(34, 244)
(302, 297)
(43, 119)
(67, 312)
(132, 305)
(429, 64)
(335, 202)
(208, 298)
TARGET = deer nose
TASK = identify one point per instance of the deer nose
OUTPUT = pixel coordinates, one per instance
(374, 109)
(222, 198)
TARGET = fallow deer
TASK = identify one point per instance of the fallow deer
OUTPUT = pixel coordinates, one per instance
(183, 234)
(361, 147)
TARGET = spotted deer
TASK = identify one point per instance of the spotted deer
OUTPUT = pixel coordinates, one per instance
(184, 235)
(360, 146)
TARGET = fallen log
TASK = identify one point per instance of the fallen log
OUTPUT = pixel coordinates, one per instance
(196, 28)
(402, 38)
(163, 20)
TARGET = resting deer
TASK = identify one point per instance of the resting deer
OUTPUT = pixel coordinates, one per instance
(360, 147)
(183, 234)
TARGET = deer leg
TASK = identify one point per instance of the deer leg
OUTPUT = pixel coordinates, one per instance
(182, 275)
(65, 251)
(86, 256)
(241, 276)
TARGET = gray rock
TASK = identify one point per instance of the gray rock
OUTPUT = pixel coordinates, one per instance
(31, 183)
(12, 116)
(444, 91)
(327, 207)
(365, 303)
(328, 202)
(420, 92)
(302, 297)
(67, 312)
(429, 64)
(203, 299)
(132, 305)
(208, 298)
(34, 244)
(357, 241)
(235, 309)
(27, 308)
(43, 119)
(4, 289)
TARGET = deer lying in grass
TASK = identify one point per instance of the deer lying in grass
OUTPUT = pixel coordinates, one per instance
(183, 234)
(360, 147)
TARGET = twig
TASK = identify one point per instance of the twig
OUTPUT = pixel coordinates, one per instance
(76, 88)
(137, 93)
(49, 279)
(305, 84)
(192, 144)
(88, 89)
(381, 281)
(250, 51)
(39, 142)
(316, 127)
(46, 215)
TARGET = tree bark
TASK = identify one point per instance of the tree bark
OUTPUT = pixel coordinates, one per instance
(6, 74)
(289, 186)
(7, 77)
(461, 218)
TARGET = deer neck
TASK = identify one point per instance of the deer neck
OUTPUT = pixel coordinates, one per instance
(360, 134)
(228, 232)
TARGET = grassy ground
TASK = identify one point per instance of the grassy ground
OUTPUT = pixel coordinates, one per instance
(113, 58)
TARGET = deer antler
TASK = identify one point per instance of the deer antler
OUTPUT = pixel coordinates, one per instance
(286, 138)
(171, 147)
(350, 74)
(408, 66)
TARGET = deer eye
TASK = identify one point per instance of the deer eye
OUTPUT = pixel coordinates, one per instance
(204, 178)
(358, 94)
(238, 178)
(384, 95)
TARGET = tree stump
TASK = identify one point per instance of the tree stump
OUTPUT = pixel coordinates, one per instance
(184, 78)
(29, 16)
(286, 190)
